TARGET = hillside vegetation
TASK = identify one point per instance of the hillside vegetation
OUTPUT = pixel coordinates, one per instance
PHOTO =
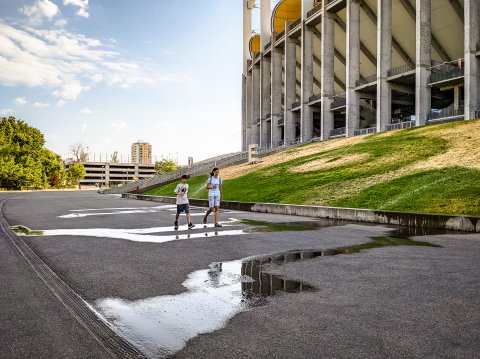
(431, 169)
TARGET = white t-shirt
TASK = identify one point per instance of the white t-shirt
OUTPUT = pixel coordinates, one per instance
(183, 190)
(216, 182)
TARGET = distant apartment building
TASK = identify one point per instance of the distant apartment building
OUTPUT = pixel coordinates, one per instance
(142, 153)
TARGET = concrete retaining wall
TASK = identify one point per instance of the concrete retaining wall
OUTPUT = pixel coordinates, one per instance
(438, 221)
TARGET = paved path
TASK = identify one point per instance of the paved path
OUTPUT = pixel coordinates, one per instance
(124, 259)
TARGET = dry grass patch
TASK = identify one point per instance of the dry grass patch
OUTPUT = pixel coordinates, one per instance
(328, 163)
(285, 156)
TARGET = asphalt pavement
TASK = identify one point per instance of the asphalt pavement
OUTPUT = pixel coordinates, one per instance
(231, 293)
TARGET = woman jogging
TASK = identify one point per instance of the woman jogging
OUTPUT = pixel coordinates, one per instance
(214, 186)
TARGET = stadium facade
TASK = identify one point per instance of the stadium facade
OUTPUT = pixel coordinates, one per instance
(334, 68)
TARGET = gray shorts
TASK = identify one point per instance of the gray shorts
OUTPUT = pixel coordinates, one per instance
(183, 207)
(214, 201)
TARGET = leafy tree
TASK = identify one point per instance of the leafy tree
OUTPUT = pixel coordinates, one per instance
(24, 162)
(75, 173)
(165, 166)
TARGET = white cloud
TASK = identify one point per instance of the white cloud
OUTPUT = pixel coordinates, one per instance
(86, 111)
(20, 100)
(68, 63)
(41, 104)
(39, 10)
(60, 103)
(119, 125)
(179, 78)
(6, 111)
(61, 23)
(81, 4)
(84, 127)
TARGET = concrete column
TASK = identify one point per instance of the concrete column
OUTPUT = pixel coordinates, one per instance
(265, 102)
(276, 109)
(248, 109)
(456, 97)
(290, 79)
(306, 120)
(472, 63)
(353, 66)
(265, 23)
(384, 63)
(255, 104)
(327, 72)
(247, 34)
(244, 114)
(107, 173)
(423, 92)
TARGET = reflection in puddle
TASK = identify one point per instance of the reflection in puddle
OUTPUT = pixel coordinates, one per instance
(162, 325)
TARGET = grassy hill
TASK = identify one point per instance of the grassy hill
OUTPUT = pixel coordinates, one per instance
(431, 169)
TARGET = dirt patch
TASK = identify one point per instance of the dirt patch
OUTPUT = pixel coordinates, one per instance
(328, 163)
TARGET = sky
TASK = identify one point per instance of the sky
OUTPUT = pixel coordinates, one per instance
(108, 73)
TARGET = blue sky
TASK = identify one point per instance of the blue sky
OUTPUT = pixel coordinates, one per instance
(110, 72)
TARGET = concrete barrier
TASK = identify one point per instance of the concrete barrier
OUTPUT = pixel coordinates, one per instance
(434, 221)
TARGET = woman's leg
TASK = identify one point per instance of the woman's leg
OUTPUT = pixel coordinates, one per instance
(216, 215)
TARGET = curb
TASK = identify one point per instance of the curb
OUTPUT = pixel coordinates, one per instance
(424, 220)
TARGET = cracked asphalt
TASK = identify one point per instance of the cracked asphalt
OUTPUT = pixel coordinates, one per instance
(390, 302)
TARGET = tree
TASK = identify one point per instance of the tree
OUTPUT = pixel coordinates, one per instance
(24, 162)
(75, 173)
(78, 152)
(165, 166)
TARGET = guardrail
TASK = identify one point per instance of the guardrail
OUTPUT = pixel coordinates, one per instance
(446, 113)
(339, 100)
(204, 167)
(337, 132)
(295, 24)
(445, 72)
(315, 9)
(400, 70)
(364, 131)
(296, 104)
(366, 80)
(314, 98)
(400, 125)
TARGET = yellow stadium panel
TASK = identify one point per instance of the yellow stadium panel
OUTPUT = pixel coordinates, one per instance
(254, 44)
(285, 10)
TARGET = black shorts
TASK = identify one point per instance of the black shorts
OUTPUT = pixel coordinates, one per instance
(183, 207)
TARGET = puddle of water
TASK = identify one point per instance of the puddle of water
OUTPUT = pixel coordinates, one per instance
(160, 326)
(22, 230)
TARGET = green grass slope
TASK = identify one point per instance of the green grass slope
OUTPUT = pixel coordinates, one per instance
(433, 169)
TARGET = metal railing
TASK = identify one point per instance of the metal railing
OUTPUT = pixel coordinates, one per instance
(436, 115)
(445, 72)
(339, 100)
(400, 70)
(198, 169)
(337, 132)
(314, 98)
(315, 9)
(267, 45)
(280, 122)
(295, 24)
(366, 80)
(365, 131)
(400, 125)
(296, 104)
(280, 35)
